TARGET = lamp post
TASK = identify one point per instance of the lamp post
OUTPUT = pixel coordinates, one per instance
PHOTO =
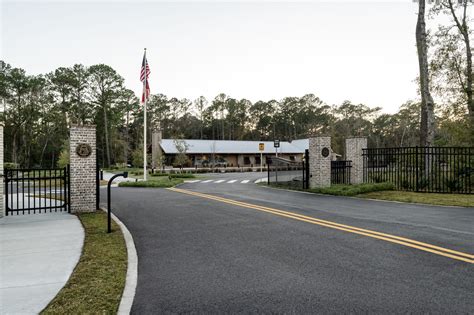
(109, 210)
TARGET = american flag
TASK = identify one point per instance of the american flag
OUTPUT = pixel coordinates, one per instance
(144, 74)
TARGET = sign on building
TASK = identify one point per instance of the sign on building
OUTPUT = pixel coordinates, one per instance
(261, 146)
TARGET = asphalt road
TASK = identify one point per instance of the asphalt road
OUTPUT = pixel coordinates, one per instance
(197, 255)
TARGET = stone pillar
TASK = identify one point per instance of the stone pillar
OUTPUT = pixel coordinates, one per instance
(156, 154)
(354, 148)
(2, 189)
(82, 157)
(320, 162)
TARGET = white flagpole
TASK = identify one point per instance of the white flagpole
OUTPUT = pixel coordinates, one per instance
(144, 121)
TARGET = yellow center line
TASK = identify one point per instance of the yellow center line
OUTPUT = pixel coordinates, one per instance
(347, 228)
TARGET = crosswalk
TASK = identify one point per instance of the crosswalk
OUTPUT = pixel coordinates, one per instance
(222, 181)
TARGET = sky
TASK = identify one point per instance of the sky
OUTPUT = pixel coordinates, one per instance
(364, 52)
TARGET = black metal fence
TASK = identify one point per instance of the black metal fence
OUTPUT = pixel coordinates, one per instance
(37, 190)
(341, 172)
(422, 169)
(286, 173)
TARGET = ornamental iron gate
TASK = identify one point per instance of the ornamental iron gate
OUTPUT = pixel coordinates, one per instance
(286, 173)
(341, 172)
(37, 190)
(422, 169)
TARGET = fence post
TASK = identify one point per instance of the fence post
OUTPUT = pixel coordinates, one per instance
(268, 172)
(6, 193)
(68, 168)
(98, 172)
(2, 206)
(304, 173)
(306, 168)
(64, 194)
(416, 168)
(320, 164)
(354, 152)
(83, 159)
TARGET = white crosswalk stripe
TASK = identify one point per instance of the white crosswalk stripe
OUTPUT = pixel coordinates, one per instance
(220, 181)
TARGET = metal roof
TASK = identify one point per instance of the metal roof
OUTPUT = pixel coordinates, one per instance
(233, 146)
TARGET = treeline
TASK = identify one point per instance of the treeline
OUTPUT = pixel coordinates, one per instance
(38, 109)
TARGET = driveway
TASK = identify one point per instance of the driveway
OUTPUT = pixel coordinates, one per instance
(203, 255)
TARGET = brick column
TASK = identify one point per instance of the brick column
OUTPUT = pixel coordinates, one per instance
(354, 148)
(156, 154)
(2, 189)
(320, 162)
(83, 168)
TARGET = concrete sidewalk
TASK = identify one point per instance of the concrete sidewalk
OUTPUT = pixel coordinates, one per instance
(38, 253)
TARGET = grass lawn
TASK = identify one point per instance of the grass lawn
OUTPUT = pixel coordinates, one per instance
(384, 191)
(97, 282)
(154, 182)
(352, 190)
(433, 199)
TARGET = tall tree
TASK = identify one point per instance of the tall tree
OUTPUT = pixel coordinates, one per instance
(106, 86)
(453, 55)
(200, 104)
(427, 124)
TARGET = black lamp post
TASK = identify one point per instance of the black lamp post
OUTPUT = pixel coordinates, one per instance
(109, 210)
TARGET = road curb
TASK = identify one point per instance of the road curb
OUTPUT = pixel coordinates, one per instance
(132, 269)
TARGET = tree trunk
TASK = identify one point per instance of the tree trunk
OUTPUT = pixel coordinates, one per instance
(469, 74)
(464, 30)
(14, 156)
(127, 138)
(427, 104)
(43, 151)
(107, 149)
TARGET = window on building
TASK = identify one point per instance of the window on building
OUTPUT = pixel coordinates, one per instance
(257, 160)
(292, 157)
(246, 160)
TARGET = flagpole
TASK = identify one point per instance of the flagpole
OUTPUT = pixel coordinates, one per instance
(144, 123)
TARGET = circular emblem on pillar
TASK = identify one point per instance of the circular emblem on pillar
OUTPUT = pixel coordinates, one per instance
(83, 150)
(325, 152)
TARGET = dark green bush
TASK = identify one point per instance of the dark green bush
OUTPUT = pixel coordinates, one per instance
(184, 175)
(353, 190)
(153, 183)
(11, 165)
(159, 174)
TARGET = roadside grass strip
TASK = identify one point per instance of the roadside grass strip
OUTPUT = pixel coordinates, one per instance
(458, 200)
(469, 258)
(157, 182)
(97, 282)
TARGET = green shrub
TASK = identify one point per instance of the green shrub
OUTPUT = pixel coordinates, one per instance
(63, 156)
(353, 190)
(153, 183)
(159, 174)
(11, 165)
(453, 184)
(184, 175)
